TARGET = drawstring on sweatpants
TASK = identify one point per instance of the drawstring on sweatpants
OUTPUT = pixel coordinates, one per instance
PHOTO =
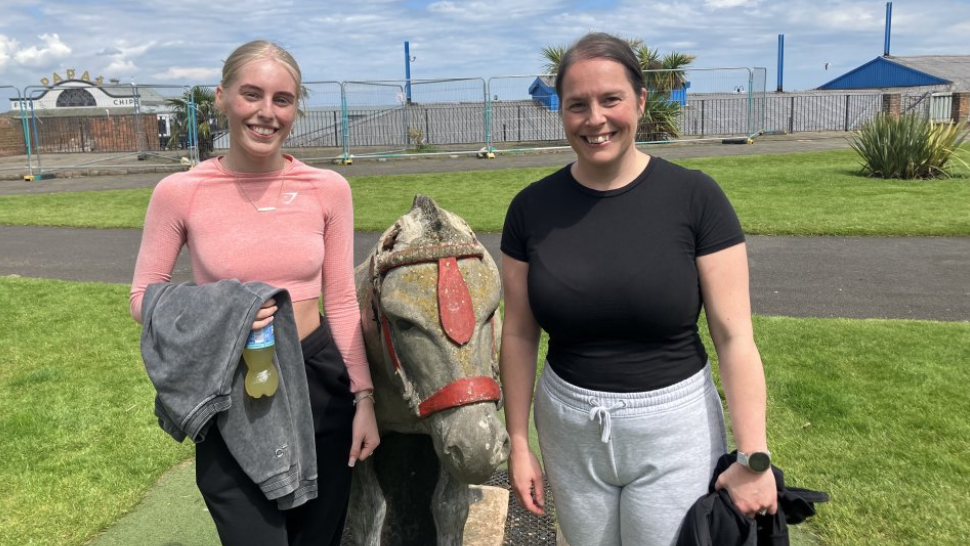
(602, 413)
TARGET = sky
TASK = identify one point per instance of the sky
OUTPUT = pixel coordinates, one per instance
(173, 43)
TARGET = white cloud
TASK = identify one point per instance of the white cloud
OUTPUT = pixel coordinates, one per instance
(853, 18)
(194, 74)
(363, 39)
(495, 10)
(121, 67)
(726, 4)
(133, 51)
(52, 50)
(7, 47)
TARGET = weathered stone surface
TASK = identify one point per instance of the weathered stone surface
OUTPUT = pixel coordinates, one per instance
(488, 509)
(435, 380)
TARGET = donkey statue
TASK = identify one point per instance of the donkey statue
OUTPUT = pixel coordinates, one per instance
(428, 295)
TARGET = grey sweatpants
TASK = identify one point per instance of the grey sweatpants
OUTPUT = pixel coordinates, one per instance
(624, 468)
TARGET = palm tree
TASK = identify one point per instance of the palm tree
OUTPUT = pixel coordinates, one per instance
(662, 75)
(207, 118)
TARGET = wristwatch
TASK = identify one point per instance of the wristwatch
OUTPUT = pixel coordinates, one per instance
(757, 461)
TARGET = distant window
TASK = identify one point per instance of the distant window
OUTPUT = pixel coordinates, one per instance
(75, 97)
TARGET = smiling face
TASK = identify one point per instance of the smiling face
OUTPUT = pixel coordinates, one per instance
(600, 112)
(260, 103)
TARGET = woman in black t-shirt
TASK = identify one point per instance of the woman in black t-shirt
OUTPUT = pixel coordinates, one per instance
(613, 256)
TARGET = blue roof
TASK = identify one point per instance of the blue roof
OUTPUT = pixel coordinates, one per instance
(882, 72)
(542, 83)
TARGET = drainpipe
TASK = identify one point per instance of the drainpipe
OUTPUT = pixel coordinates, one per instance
(889, 25)
(407, 72)
(781, 62)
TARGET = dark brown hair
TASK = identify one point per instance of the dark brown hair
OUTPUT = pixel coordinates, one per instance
(600, 45)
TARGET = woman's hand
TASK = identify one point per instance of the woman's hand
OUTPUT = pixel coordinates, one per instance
(366, 439)
(265, 315)
(525, 477)
(753, 493)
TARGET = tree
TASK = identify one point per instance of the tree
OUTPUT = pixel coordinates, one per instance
(207, 119)
(661, 74)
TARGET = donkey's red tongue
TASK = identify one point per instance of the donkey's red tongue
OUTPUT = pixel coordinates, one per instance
(454, 302)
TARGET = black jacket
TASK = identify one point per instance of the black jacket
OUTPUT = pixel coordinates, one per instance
(714, 520)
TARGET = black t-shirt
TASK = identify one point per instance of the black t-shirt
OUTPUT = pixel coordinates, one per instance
(613, 275)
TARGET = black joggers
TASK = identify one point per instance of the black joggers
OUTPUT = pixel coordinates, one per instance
(242, 513)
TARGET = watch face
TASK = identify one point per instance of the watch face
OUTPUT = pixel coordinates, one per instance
(759, 462)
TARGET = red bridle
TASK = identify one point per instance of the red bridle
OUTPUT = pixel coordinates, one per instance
(455, 312)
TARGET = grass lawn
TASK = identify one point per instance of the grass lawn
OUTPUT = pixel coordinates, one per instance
(80, 444)
(874, 412)
(818, 193)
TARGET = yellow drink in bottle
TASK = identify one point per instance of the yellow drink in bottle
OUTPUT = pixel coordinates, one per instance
(261, 376)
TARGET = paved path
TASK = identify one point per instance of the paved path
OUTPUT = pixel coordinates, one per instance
(853, 277)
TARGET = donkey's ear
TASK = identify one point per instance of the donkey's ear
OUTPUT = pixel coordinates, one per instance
(429, 212)
(429, 209)
(387, 242)
(423, 202)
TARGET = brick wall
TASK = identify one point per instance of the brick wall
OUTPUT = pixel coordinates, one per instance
(960, 107)
(11, 137)
(97, 134)
(892, 104)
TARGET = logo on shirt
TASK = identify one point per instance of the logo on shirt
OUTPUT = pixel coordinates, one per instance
(288, 197)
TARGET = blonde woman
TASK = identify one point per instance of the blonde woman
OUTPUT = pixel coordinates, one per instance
(257, 214)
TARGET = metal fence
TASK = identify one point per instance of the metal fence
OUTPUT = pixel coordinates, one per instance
(112, 124)
(724, 103)
(320, 128)
(935, 106)
(820, 112)
(343, 120)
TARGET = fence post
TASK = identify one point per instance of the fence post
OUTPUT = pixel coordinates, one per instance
(960, 107)
(487, 95)
(703, 105)
(750, 101)
(791, 115)
(33, 119)
(28, 145)
(847, 97)
(141, 139)
(344, 122)
(193, 129)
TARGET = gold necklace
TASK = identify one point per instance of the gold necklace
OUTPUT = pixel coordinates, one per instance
(250, 199)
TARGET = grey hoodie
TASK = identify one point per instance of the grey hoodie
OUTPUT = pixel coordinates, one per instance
(192, 341)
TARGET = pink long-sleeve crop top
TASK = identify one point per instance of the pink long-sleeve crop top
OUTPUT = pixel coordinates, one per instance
(305, 245)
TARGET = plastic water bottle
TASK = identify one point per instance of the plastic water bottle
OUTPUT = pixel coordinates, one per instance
(261, 376)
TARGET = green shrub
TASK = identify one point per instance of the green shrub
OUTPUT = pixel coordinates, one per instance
(908, 146)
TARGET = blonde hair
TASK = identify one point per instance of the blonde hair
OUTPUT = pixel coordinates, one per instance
(260, 49)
